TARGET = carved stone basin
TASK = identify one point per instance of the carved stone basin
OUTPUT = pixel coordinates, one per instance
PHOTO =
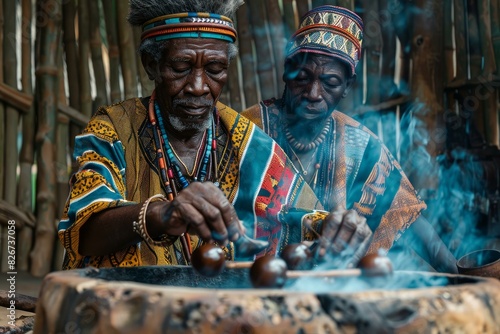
(175, 299)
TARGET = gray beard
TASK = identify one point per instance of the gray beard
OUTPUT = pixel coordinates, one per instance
(179, 125)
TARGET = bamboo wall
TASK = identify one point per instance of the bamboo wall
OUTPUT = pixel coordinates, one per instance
(429, 70)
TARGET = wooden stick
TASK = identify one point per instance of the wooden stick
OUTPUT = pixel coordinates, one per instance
(324, 273)
(239, 265)
(23, 302)
(303, 273)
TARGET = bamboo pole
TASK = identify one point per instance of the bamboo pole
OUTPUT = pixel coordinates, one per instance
(47, 94)
(474, 41)
(71, 53)
(495, 29)
(427, 85)
(461, 36)
(22, 102)
(246, 56)
(11, 119)
(14, 98)
(475, 69)
(317, 3)
(27, 154)
(263, 48)
(495, 36)
(290, 17)
(487, 93)
(349, 4)
(302, 7)
(278, 41)
(233, 86)
(450, 114)
(95, 42)
(225, 95)
(61, 164)
(449, 47)
(84, 54)
(127, 50)
(388, 89)
(109, 7)
(372, 45)
(147, 85)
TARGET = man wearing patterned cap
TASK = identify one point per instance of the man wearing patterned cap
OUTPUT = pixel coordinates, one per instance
(160, 175)
(347, 166)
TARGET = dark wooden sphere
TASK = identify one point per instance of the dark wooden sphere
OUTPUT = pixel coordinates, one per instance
(208, 260)
(297, 256)
(375, 265)
(268, 272)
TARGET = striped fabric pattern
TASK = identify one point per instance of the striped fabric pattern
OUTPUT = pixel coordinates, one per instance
(365, 175)
(116, 157)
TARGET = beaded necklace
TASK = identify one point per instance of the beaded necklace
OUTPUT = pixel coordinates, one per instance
(298, 146)
(169, 169)
(325, 145)
(173, 162)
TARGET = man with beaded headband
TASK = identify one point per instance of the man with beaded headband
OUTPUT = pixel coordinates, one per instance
(160, 175)
(344, 162)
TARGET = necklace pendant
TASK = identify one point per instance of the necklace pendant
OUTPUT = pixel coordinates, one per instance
(304, 172)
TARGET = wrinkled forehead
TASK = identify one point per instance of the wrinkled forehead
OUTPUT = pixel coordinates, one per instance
(188, 47)
(316, 61)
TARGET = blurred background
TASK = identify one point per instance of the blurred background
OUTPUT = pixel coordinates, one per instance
(427, 85)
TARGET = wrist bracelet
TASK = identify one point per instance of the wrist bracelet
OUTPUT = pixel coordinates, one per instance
(140, 227)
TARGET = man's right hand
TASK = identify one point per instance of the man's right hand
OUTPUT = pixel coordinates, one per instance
(201, 209)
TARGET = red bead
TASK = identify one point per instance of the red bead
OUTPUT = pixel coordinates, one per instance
(317, 166)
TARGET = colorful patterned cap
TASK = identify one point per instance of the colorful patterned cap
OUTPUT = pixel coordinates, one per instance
(190, 25)
(329, 30)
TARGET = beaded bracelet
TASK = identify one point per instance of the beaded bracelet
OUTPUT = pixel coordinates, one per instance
(140, 227)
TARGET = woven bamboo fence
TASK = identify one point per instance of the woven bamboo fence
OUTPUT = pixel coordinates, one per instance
(433, 63)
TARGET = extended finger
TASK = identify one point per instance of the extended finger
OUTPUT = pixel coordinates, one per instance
(330, 227)
(346, 231)
(190, 215)
(362, 233)
(218, 212)
(227, 219)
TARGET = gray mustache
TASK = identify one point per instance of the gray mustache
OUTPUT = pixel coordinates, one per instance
(198, 101)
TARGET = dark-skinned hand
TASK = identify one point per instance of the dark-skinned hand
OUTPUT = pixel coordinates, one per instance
(345, 231)
(201, 209)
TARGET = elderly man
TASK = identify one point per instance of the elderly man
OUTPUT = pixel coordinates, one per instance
(343, 161)
(160, 175)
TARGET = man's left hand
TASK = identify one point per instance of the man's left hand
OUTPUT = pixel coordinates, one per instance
(345, 230)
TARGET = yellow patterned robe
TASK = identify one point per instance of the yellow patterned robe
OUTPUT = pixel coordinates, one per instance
(117, 162)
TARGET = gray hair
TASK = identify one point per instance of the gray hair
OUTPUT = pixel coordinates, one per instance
(142, 11)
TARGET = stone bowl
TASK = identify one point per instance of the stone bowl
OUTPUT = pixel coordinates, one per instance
(175, 299)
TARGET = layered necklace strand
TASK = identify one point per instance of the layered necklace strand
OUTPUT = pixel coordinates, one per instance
(168, 164)
(317, 144)
(200, 168)
(304, 169)
(200, 148)
(301, 147)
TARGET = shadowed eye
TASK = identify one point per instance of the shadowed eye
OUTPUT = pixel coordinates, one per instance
(215, 68)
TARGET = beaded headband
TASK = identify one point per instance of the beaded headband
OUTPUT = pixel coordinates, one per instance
(190, 25)
(329, 30)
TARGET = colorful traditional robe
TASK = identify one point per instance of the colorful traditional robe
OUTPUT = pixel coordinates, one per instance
(362, 174)
(118, 166)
